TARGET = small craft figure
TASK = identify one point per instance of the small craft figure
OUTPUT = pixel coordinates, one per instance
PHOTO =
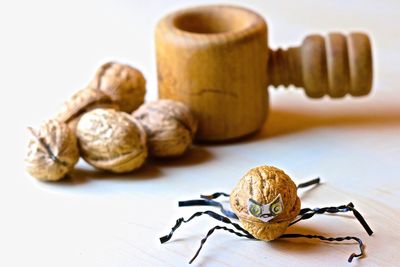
(265, 202)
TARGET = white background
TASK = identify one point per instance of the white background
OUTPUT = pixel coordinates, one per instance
(50, 49)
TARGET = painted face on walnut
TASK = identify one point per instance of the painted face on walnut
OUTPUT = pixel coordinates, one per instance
(265, 212)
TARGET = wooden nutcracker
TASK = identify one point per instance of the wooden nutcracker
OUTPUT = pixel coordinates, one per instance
(216, 60)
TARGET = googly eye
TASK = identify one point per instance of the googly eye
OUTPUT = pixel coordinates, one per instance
(255, 210)
(276, 208)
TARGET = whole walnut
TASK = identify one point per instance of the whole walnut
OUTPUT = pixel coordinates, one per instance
(52, 151)
(170, 127)
(81, 102)
(111, 140)
(125, 85)
(263, 185)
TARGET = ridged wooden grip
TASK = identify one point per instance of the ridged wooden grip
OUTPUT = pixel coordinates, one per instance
(336, 65)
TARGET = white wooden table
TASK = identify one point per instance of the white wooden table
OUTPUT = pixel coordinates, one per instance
(48, 50)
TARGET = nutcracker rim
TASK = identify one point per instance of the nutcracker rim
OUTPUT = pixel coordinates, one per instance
(212, 24)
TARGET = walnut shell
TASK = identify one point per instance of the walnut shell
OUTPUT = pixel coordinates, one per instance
(111, 140)
(52, 152)
(170, 127)
(72, 124)
(81, 102)
(263, 184)
(125, 85)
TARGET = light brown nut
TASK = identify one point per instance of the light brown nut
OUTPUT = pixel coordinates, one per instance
(52, 151)
(80, 103)
(125, 85)
(170, 127)
(263, 184)
(111, 140)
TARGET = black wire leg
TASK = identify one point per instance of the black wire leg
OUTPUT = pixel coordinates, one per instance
(332, 239)
(210, 232)
(307, 213)
(212, 215)
(215, 195)
(309, 183)
(208, 202)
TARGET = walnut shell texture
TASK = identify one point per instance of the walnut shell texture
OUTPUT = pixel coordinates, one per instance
(170, 127)
(125, 85)
(81, 102)
(111, 140)
(52, 152)
(263, 184)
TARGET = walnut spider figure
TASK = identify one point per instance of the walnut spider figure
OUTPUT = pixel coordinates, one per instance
(265, 202)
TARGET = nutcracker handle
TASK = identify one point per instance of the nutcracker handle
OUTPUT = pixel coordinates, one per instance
(335, 65)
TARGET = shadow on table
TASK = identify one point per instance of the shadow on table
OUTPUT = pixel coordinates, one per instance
(152, 169)
(194, 156)
(82, 175)
(282, 122)
(301, 246)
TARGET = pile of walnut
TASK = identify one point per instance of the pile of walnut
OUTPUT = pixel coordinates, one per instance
(110, 127)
